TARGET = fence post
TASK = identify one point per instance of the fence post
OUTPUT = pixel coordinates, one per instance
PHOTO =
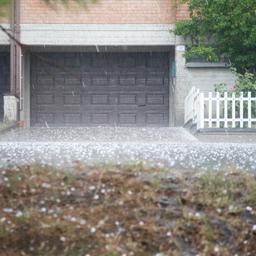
(186, 109)
(200, 120)
(196, 107)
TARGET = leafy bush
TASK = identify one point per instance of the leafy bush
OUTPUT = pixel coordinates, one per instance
(244, 83)
(206, 53)
(228, 27)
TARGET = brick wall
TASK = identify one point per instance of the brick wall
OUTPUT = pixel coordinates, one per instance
(4, 20)
(182, 12)
(103, 11)
(4, 11)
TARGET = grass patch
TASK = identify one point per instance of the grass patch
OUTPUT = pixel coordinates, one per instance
(126, 210)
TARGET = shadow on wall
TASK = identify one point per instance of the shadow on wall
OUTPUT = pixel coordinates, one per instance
(4, 79)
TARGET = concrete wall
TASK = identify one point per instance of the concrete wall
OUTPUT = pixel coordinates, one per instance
(94, 34)
(203, 78)
(4, 40)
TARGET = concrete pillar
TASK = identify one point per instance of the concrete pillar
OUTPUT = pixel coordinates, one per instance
(25, 91)
(182, 84)
(11, 108)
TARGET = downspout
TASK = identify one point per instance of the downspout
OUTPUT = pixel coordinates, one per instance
(15, 49)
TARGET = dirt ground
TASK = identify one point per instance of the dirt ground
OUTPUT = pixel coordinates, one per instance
(126, 210)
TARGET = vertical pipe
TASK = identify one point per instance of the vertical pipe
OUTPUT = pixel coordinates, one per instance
(15, 50)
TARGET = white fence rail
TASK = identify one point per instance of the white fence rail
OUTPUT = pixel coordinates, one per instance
(220, 110)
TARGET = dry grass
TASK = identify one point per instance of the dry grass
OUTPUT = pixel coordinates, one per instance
(128, 210)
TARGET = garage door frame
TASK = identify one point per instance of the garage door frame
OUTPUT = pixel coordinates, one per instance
(26, 113)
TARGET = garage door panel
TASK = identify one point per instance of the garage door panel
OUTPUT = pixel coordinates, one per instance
(99, 80)
(156, 118)
(72, 99)
(127, 118)
(72, 118)
(101, 118)
(127, 99)
(45, 99)
(44, 118)
(112, 89)
(153, 99)
(100, 99)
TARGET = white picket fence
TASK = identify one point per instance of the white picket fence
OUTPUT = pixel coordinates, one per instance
(216, 110)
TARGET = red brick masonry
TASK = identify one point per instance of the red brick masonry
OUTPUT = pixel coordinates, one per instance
(103, 12)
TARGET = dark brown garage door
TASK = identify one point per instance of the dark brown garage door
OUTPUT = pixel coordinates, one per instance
(94, 89)
(4, 78)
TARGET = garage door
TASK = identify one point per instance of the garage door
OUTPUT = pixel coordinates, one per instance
(4, 78)
(94, 89)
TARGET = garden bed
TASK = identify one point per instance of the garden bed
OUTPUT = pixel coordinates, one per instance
(128, 210)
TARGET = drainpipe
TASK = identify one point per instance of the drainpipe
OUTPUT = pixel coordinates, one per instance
(11, 101)
(15, 50)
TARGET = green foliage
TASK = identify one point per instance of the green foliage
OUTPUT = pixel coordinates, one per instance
(207, 53)
(244, 83)
(4, 2)
(227, 26)
(4, 7)
(221, 88)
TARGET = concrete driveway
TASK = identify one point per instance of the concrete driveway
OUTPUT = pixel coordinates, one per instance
(100, 134)
(162, 147)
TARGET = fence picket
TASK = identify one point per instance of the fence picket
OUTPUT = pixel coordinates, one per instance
(195, 109)
(210, 109)
(241, 110)
(233, 110)
(225, 110)
(249, 110)
(218, 110)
